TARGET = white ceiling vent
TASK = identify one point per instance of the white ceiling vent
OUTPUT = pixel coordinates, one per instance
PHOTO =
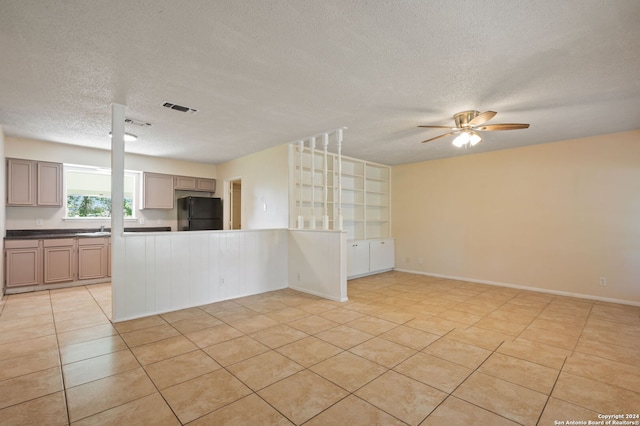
(180, 108)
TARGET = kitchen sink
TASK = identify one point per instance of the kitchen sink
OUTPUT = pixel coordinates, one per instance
(94, 234)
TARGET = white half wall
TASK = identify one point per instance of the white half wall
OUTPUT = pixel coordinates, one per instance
(318, 263)
(165, 272)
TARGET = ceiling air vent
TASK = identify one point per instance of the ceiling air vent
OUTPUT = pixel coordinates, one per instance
(135, 122)
(179, 107)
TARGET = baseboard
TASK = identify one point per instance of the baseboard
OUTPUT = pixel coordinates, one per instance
(521, 287)
(316, 293)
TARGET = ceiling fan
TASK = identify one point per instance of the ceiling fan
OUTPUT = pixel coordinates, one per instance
(469, 123)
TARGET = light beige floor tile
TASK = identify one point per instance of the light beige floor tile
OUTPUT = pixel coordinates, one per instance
(437, 326)
(524, 373)
(279, 335)
(462, 317)
(265, 306)
(29, 386)
(341, 315)
(461, 353)
(501, 326)
(302, 395)
(456, 412)
(354, 411)
(611, 372)
(26, 333)
(480, 337)
(343, 336)
(410, 337)
(163, 349)
(40, 360)
(139, 324)
(287, 314)
(313, 324)
(27, 347)
(225, 305)
(507, 316)
(194, 324)
(309, 351)
(181, 368)
(397, 316)
(435, 372)
(250, 410)
(90, 349)
(202, 395)
(81, 322)
(560, 340)
(182, 314)
(211, 336)
(264, 369)
(317, 307)
(148, 410)
(625, 355)
(594, 395)
(93, 397)
(98, 367)
(372, 325)
(253, 324)
(539, 353)
(22, 322)
(235, 314)
(235, 350)
(348, 370)
(383, 352)
(86, 334)
(74, 312)
(557, 411)
(149, 335)
(402, 397)
(509, 400)
(46, 410)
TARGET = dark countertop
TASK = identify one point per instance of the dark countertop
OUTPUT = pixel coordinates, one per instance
(43, 234)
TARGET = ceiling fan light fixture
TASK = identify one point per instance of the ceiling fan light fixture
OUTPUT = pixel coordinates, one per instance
(474, 138)
(461, 140)
(128, 137)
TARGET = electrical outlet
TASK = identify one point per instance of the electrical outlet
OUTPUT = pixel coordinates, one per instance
(420, 261)
(221, 281)
(38, 222)
(298, 276)
(603, 281)
(141, 221)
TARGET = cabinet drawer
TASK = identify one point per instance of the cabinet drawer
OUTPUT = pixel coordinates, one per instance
(14, 244)
(92, 241)
(59, 242)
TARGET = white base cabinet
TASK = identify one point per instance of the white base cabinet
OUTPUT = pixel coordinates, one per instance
(366, 257)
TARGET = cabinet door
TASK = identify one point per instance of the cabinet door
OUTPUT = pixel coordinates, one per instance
(185, 183)
(59, 260)
(23, 263)
(49, 184)
(357, 258)
(21, 182)
(109, 259)
(381, 255)
(208, 185)
(92, 261)
(157, 191)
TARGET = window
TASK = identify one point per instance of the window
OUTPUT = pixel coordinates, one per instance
(88, 192)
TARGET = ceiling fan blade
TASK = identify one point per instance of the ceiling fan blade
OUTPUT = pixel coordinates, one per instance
(482, 118)
(439, 127)
(509, 126)
(441, 136)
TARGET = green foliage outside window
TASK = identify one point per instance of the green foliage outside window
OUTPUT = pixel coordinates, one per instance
(94, 206)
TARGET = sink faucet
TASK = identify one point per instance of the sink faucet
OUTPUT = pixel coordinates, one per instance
(102, 228)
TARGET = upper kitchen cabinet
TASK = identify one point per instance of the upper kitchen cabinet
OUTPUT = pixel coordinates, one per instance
(157, 191)
(187, 183)
(34, 183)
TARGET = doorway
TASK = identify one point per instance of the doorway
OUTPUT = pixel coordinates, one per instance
(235, 204)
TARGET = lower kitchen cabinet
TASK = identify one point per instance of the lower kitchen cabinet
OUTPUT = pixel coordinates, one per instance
(92, 258)
(366, 257)
(23, 263)
(59, 260)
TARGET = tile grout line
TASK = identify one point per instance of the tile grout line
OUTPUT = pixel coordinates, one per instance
(551, 391)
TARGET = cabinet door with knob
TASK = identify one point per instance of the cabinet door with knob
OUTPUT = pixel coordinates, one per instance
(381, 254)
(357, 257)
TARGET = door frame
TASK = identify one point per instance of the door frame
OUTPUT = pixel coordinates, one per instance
(228, 198)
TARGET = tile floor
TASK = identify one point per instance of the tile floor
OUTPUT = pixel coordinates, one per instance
(405, 349)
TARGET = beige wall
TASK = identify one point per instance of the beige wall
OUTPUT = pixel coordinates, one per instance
(265, 187)
(555, 216)
(25, 217)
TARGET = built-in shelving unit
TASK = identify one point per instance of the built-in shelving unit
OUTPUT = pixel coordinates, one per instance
(365, 194)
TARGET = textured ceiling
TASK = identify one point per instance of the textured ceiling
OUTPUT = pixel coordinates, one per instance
(266, 72)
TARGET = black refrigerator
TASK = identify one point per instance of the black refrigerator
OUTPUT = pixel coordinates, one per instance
(199, 213)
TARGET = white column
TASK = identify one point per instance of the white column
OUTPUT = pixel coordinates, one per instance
(312, 145)
(117, 210)
(300, 216)
(325, 188)
(339, 218)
